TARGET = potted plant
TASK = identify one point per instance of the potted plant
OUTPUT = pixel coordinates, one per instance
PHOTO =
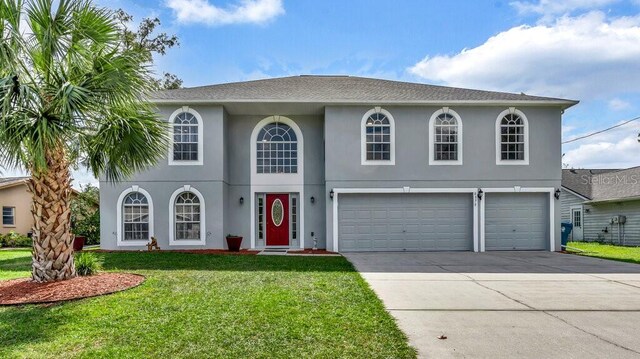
(234, 242)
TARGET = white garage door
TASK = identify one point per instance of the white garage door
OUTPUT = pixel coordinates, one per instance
(405, 222)
(516, 221)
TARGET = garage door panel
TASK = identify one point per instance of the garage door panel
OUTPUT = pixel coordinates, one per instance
(405, 222)
(516, 221)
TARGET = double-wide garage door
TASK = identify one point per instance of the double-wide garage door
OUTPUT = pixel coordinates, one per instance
(411, 222)
(441, 221)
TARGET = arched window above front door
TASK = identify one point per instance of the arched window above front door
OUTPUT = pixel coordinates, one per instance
(277, 149)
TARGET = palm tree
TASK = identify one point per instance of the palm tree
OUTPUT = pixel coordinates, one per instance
(70, 93)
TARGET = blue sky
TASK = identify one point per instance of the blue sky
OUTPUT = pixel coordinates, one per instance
(580, 49)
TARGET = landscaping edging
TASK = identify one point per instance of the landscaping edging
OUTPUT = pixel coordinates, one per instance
(25, 291)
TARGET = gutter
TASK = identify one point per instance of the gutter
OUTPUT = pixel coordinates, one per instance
(564, 104)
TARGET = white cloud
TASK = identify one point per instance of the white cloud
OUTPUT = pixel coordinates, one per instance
(246, 11)
(617, 148)
(617, 104)
(558, 7)
(578, 57)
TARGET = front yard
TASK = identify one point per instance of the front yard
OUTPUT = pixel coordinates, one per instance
(218, 306)
(608, 251)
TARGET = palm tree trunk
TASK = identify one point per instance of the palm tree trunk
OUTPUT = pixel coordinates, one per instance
(51, 210)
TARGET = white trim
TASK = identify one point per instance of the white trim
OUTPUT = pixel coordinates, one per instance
(517, 189)
(277, 182)
(432, 134)
(499, 160)
(200, 160)
(337, 191)
(172, 219)
(363, 139)
(119, 222)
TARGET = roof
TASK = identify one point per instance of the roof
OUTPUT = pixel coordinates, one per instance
(344, 90)
(12, 181)
(604, 185)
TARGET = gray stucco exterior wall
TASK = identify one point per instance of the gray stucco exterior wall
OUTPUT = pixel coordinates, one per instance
(412, 169)
(332, 159)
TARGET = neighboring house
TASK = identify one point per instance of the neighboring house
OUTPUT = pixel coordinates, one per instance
(15, 200)
(357, 164)
(602, 204)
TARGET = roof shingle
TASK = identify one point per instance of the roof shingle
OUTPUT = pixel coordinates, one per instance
(342, 89)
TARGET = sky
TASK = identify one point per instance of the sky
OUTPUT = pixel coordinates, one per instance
(588, 50)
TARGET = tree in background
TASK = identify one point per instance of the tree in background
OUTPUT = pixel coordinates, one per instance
(147, 42)
(85, 214)
(71, 90)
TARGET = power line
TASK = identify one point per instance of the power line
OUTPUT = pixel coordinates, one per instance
(601, 131)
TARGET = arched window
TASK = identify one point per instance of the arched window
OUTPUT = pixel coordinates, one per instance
(187, 217)
(136, 217)
(277, 149)
(512, 145)
(378, 140)
(445, 138)
(186, 137)
(134, 213)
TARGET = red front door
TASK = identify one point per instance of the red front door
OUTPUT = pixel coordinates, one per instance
(277, 219)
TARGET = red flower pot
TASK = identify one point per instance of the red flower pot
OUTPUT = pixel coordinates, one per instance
(233, 243)
(78, 243)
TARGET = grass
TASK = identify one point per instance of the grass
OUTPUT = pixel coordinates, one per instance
(608, 251)
(208, 306)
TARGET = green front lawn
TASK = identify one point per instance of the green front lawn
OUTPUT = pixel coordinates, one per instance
(608, 251)
(209, 306)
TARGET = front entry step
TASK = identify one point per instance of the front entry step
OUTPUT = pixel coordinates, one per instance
(274, 252)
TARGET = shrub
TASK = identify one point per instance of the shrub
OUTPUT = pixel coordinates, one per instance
(85, 216)
(13, 239)
(86, 263)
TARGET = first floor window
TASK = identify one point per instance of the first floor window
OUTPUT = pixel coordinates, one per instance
(294, 217)
(136, 217)
(8, 216)
(187, 217)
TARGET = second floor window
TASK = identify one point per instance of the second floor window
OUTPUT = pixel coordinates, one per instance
(445, 138)
(185, 137)
(378, 138)
(277, 149)
(513, 138)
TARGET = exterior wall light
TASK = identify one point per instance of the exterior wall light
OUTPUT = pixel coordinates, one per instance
(557, 193)
(480, 193)
(331, 194)
(313, 199)
(241, 200)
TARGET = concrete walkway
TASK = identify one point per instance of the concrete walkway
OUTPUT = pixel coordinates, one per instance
(509, 304)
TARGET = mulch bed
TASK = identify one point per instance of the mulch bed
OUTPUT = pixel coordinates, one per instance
(25, 291)
(311, 251)
(192, 251)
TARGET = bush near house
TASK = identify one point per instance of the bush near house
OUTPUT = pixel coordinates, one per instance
(13, 239)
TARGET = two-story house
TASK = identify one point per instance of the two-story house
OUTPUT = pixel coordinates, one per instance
(356, 164)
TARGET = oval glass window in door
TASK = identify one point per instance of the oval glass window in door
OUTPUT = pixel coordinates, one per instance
(277, 212)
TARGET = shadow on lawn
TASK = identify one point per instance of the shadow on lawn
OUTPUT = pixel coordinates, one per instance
(188, 261)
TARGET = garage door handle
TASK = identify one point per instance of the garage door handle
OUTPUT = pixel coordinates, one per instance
(404, 231)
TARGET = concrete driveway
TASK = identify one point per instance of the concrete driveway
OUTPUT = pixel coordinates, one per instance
(509, 304)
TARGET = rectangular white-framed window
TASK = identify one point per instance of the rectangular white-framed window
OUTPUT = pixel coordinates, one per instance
(8, 216)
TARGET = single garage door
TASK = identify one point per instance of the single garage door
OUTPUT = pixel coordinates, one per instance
(516, 221)
(411, 222)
